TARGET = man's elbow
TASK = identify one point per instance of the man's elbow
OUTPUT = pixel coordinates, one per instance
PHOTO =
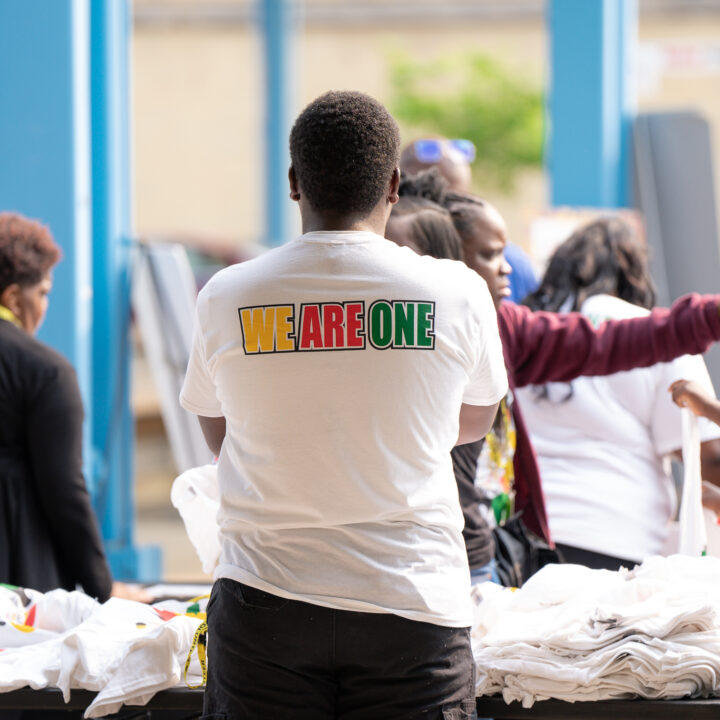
(476, 422)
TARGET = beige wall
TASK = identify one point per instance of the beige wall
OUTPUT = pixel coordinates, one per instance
(196, 128)
(198, 105)
(198, 111)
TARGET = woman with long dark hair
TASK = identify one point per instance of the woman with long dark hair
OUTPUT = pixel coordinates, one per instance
(602, 443)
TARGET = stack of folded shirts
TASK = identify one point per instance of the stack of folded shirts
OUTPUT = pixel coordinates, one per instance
(573, 633)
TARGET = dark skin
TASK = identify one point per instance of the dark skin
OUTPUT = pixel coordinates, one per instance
(475, 420)
(483, 251)
(692, 395)
(28, 303)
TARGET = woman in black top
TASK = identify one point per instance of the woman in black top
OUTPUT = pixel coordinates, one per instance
(49, 535)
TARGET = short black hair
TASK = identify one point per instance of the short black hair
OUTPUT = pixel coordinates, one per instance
(344, 147)
(431, 225)
(464, 208)
(428, 184)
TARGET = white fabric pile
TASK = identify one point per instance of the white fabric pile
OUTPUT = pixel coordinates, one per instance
(572, 633)
(196, 496)
(123, 650)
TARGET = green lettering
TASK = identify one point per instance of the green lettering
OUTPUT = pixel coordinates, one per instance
(404, 324)
(381, 324)
(425, 325)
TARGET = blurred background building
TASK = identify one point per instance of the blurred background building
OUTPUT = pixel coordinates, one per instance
(198, 89)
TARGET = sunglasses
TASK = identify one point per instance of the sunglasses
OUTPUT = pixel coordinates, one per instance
(431, 151)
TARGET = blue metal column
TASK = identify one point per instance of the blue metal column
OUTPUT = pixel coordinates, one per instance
(276, 21)
(591, 101)
(113, 427)
(45, 151)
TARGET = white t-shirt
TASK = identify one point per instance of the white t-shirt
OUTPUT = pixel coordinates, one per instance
(340, 362)
(602, 452)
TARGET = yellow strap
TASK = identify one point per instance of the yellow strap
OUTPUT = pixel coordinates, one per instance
(198, 598)
(9, 315)
(198, 642)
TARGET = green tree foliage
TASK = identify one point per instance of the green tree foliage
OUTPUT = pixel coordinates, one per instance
(473, 97)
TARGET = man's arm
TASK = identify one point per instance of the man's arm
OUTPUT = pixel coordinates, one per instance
(475, 422)
(544, 347)
(213, 429)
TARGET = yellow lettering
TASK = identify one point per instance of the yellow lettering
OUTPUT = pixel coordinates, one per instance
(284, 330)
(258, 325)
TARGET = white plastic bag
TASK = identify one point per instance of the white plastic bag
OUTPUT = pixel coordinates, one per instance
(693, 535)
(196, 496)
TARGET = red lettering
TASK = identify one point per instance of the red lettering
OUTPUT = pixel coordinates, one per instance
(354, 324)
(333, 317)
(310, 328)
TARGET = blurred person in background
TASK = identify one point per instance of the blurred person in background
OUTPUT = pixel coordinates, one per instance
(453, 159)
(604, 443)
(49, 536)
(539, 347)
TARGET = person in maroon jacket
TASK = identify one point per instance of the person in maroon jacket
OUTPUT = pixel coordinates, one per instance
(542, 347)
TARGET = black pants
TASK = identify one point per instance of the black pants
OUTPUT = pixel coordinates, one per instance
(269, 657)
(594, 560)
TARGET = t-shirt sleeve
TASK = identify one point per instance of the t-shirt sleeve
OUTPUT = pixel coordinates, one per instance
(488, 381)
(666, 423)
(198, 394)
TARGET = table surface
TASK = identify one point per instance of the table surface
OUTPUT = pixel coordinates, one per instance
(181, 698)
(496, 707)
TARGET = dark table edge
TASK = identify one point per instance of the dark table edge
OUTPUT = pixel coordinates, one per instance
(181, 698)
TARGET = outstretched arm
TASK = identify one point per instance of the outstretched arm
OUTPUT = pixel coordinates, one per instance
(544, 347)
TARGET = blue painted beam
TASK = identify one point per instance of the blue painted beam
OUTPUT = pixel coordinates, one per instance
(276, 24)
(45, 150)
(591, 102)
(113, 426)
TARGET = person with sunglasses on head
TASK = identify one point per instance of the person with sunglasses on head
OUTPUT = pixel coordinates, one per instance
(541, 347)
(333, 375)
(453, 158)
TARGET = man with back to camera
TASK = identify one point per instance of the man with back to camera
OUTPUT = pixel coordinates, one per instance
(332, 376)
